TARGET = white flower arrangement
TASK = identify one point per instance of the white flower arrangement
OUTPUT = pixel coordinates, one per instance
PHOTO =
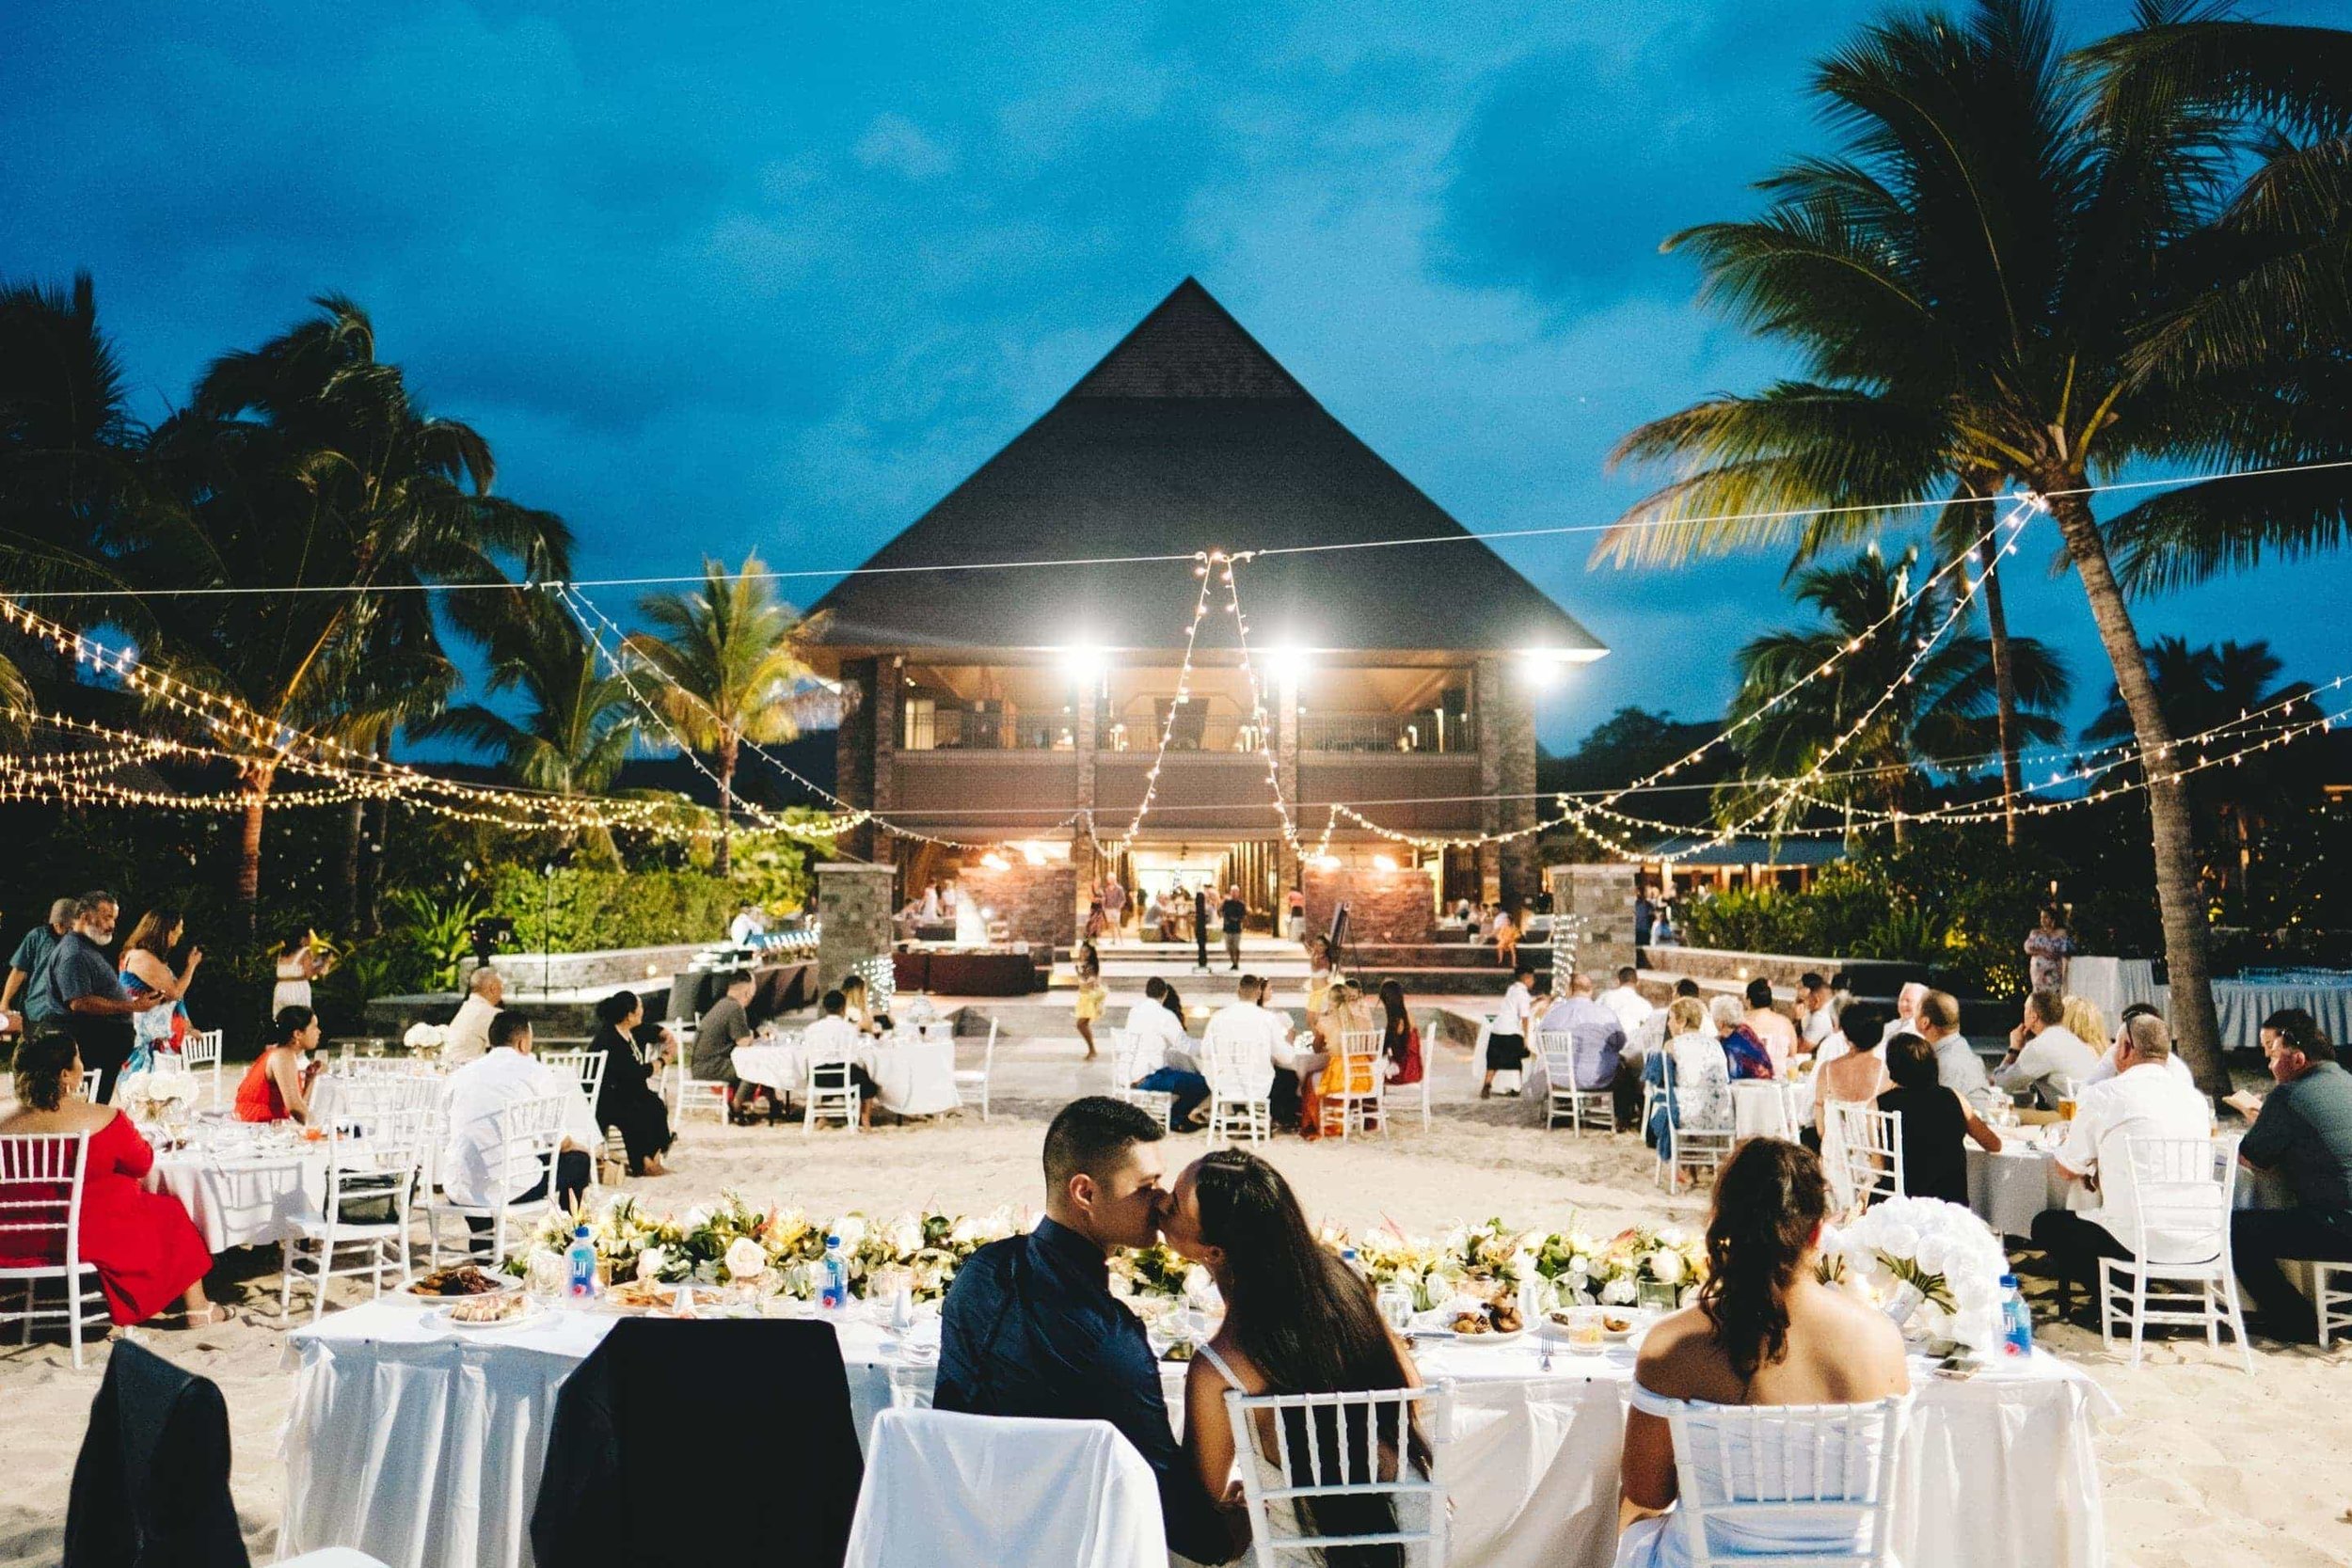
(1935, 1267)
(426, 1040)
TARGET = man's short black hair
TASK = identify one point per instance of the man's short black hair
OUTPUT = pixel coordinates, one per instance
(2297, 1030)
(1155, 988)
(737, 977)
(834, 1003)
(1523, 972)
(1811, 980)
(1627, 975)
(507, 1026)
(1093, 1134)
(1760, 992)
(1686, 987)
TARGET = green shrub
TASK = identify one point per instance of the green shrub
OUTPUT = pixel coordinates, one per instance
(580, 911)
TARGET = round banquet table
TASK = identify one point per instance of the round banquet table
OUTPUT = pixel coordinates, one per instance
(245, 1186)
(1771, 1108)
(422, 1445)
(912, 1078)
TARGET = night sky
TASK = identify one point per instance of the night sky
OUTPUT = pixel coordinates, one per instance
(720, 277)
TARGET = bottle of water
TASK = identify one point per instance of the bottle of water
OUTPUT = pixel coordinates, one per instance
(580, 1274)
(833, 1277)
(2016, 1318)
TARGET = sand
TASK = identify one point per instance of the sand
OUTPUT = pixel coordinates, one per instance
(2204, 1465)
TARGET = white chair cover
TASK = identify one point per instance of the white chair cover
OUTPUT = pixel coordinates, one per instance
(1007, 1491)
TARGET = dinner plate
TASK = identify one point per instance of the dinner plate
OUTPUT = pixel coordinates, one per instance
(506, 1286)
(530, 1313)
(1489, 1338)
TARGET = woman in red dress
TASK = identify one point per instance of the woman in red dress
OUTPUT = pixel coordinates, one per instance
(147, 1250)
(276, 1087)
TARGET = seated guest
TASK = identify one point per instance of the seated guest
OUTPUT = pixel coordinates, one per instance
(1399, 1042)
(2302, 1130)
(1935, 1118)
(1595, 1037)
(725, 1026)
(1766, 1331)
(1957, 1064)
(2045, 1057)
(1693, 1075)
(1158, 1031)
(1345, 1013)
(1240, 1038)
(470, 1031)
(1818, 1021)
(1857, 1076)
(2086, 1023)
(1744, 1056)
(861, 1013)
(472, 1172)
(833, 1038)
(1234, 1214)
(1906, 1019)
(277, 1087)
(1770, 1025)
(2108, 1067)
(625, 1096)
(146, 1250)
(2141, 1101)
(1626, 1000)
(1030, 1326)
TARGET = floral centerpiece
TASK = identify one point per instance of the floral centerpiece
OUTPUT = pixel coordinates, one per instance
(155, 1097)
(1644, 1266)
(426, 1040)
(1933, 1266)
(1155, 1282)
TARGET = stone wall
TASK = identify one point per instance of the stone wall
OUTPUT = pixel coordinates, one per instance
(853, 905)
(853, 748)
(638, 967)
(1383, 907)
(1036, 904)
(1598, 901)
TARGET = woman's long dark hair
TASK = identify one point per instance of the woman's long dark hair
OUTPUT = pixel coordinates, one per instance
(1400, 1021)
(1310, 1325)
(291, 1020)
(613, 1009)
(1769, 1201)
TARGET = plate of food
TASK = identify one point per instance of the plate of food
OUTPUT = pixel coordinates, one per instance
(640, 1296)
(1614, 1323)
(1487, 1323)
(463, 1279)
(497, 1311)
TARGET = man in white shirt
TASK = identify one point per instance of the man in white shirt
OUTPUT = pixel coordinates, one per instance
(1154, 1024)
(2044, 1056)
(2143, 1100)
(1818, 1022)
(1626, 1000)
(470, 1031)
(2108, 1063)
(476, 1166)
(833, 1038)
(1957, 1064)
(747, 923)
(1906, 1019)
(1506, 1041)
(1244, 1035)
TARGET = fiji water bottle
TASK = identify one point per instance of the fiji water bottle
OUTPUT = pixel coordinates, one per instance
(581, 1271)
(833, 1277)
(2016, 1318)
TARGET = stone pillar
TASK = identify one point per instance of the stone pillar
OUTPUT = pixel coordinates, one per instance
(1515, 759)
(853, 748)
(1090, 871)
(1286, 769)
(1598, 899)
(1488, 703)
(853, 904)
(889, 683)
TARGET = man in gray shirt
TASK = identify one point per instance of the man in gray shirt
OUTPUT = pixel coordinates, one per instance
(1957, 1064)
(38, 944)
(2303, 1130)
(77, 989)
(726, 1025)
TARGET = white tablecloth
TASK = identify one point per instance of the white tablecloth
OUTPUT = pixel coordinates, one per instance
(2240, 1006)
(243, 1188)
(914, 1079)
(1763, 1108)
(2006, 1190)
(422, 1445)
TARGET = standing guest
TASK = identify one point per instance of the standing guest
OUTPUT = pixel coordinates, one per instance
(1813, 1006)
(1662, 931)
(1098, 925)
(833, 1038)
(1030, 1326)
(2044, 1056)
(747, 926)
(277, 1087)
(1906, 1019)
(1200, 928)
(2108, 1063)
(2047, 946)
(1626, 1000)
(1113, 904)
(1232, 916)
(299, 962)
(1645, 917)
(932, 906)
(38, 944)
(1232, 1214)
(1399, 1042)
(1506, 1039)
(79, 990)
(1091, 995)
(1318, 974)
(146, 962)
(1766, 1331)
(470, 1031)
(145, 1248)
(1771, 1026)
(1858, 1075)
(1936, 1118)
(472, 1170)
(2302, 1130)
(2142, 1100)
(725, 1026)
(1296, 926)
(1956, 1060)
(625, 1095)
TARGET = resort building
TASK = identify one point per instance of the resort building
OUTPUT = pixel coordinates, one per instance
(1029, 714)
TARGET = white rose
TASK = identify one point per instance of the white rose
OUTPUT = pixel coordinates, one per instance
(1898, 1239)
(1931, 1254)
(649, 1264)
(696, 1218)
(746, 1259)
(1619, 1293)
(852, 1229)
(964, 1232)
(1665, 1266)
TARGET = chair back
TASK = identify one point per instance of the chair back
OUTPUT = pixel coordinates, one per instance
(1794, 1483)
(1013, 1492)
(1343, 1456)
(1361, 1068)
(1867, 1165)
(40, 1195)
(90, 1084)
(202, 1051)
(531, 1135)
(586, 1065)
(2179, 1193)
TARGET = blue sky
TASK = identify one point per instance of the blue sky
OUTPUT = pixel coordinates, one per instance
(728, 275)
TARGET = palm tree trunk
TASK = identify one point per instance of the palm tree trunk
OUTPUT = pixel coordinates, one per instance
(2004, 685)
(718, 863)
(2196, 1031)
(355, 844)
(253, 784)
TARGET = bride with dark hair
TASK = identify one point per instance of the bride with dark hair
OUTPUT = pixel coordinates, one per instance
(1297, 1321)
(1766, 1331)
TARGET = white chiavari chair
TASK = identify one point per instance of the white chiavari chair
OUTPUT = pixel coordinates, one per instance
(364, 1219)
(1864, 1150)
(1810, 1473)
(41, 1216)
(1322, 1448)
(2178, 1193)
(1354, 1086)
(971, 1081)
(529, 1138)
(202, 1051)
(1129, 1062)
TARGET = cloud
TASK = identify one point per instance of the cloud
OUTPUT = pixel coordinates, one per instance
(895, 143)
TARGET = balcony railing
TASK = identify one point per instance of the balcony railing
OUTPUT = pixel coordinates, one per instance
(1194, 730)
(957, 730)
(1424, 732)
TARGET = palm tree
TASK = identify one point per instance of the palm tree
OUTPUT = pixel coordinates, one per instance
(575, 725)
(68, 446)
(2035, 271)
(1938, 718)
(731, 654)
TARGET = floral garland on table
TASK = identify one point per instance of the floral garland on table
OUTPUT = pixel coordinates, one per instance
(1935, 1268)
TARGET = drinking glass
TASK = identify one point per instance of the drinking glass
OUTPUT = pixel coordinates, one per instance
(1396, 1306)
(1585, 1330)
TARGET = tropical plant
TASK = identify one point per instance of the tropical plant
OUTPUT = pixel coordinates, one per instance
(2027, 269)
(731, 655)
(440, 932)
(1936, 715)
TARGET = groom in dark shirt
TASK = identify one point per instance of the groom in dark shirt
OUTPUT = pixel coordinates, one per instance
(1031, 1328)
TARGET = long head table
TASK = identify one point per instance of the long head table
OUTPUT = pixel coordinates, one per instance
(421, 1444)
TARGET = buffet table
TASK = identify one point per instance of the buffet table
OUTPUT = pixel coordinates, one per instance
(421, 1444)
(967, 974)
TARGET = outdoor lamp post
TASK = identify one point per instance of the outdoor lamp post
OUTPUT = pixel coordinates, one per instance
(546, 929)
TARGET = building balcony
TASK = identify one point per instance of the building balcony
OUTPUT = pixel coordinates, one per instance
(1423, 732)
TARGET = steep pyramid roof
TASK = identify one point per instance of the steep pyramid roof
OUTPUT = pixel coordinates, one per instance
(1188, 436)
